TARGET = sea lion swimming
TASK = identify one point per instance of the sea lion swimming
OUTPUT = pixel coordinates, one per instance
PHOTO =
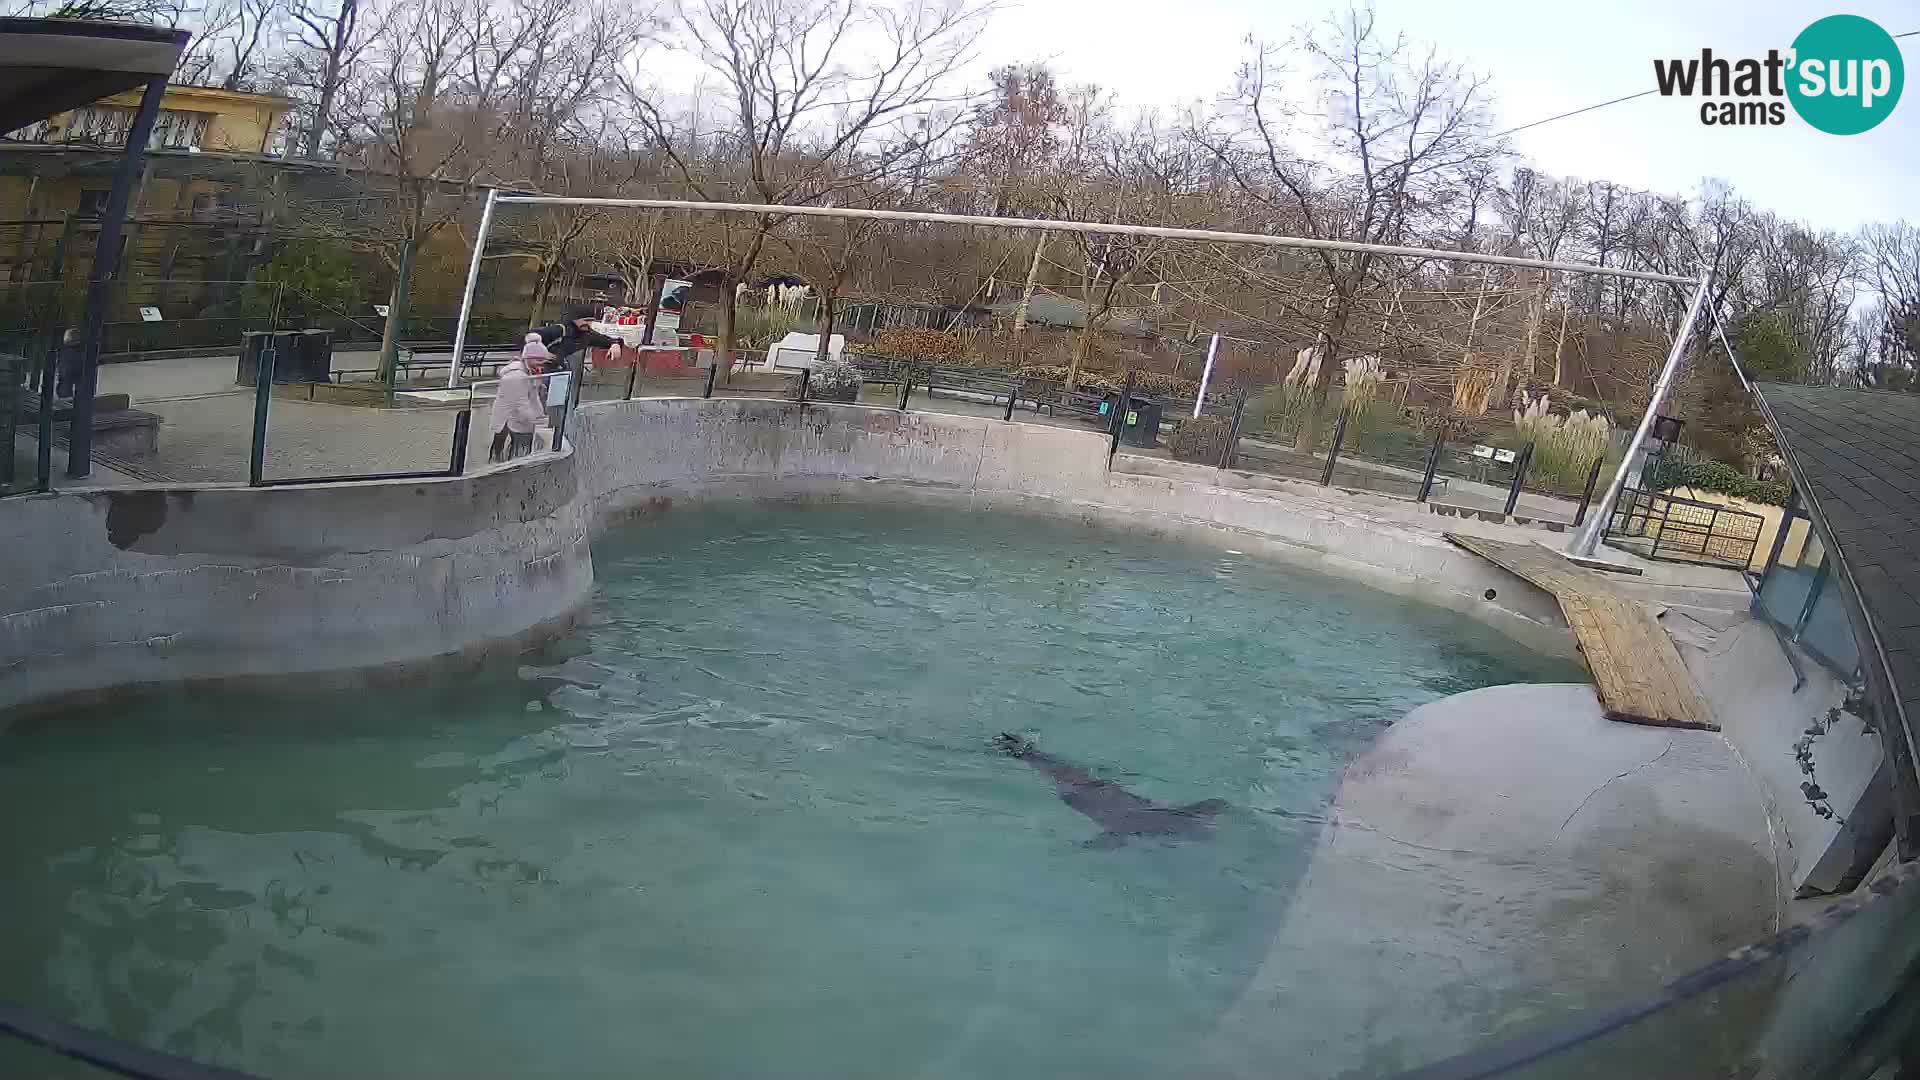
(1119, 812)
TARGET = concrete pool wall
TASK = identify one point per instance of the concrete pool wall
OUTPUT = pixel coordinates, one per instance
(108, 590)
(650, 453)
(111, 589)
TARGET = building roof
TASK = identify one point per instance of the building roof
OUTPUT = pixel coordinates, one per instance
(50, 66)
(1855, 457)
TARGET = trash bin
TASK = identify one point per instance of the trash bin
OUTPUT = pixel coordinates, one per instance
(251, 342)
(1142, 423)
(315, 356)
(286, 356)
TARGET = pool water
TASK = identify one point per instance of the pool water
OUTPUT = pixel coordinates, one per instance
(745, 821)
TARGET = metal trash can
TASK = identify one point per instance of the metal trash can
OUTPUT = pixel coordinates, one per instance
(315, 354)
(1142, 423)
(246, 374)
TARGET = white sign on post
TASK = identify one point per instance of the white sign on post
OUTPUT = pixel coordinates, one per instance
(381, 310)
(150, 314)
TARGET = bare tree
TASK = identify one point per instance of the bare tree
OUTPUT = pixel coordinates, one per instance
(226, 51)
(1400, 129)
(419, 120)
(327, 38)
(806, 120)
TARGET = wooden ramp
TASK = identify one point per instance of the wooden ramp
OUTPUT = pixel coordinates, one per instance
(1636, 670)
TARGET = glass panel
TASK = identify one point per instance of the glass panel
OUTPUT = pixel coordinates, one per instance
(1842, 1001)
(1828, 634)
(1783, 595)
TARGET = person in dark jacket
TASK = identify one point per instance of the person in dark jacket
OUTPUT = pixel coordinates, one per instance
(575, 332)
(73, 357)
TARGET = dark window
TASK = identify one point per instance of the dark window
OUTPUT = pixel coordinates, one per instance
(93, 203)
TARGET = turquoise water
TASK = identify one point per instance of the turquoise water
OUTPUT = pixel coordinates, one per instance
(743, 822)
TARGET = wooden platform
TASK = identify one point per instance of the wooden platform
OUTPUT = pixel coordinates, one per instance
(1636, 670)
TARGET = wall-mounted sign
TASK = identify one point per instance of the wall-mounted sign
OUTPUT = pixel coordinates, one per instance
(381, 310)
(150, 314)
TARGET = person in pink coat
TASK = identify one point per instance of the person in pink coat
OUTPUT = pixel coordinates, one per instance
(519, 402)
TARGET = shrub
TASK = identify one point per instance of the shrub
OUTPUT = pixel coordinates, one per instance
(1151, 383)
(1564, 447)
(1681, 467)
(835, 380)
(1199, 439)
(918, 343)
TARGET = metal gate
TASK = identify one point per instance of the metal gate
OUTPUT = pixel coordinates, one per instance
(1666, 527)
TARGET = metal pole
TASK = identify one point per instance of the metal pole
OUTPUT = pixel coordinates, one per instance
(1333, 452)
(1106, 228)
(1519, 478)
(1586, 541)
(462, 421)
(711, 372)
(1013, 392)
(262, 403)
(1433, 464)
(106, 268)
(49, 373)
(1586, 498)
(473, 282)
(1233, 430)
(1120, 416)
(1206, 376)
(646, 336)
(806, 375)
(906, 385)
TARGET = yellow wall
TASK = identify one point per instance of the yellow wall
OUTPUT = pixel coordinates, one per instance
(240, 124)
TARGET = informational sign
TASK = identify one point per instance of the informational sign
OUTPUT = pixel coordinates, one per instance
(150, 314)
(673, 303)
(381, 310)
(1488, 453)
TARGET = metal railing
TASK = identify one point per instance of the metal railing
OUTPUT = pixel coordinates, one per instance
(1656, 525)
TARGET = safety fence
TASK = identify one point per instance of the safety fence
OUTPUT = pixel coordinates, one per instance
(1656, 525)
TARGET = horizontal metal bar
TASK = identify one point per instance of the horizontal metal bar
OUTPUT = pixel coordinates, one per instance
(294, 481)
(1051, 225)
(105, 1052)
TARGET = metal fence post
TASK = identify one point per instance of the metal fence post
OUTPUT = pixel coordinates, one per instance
(1013, 392)
(462, 421)
(712, 372)
(1119, 422)
(262, 402)
(1227, 452)
(1333, 452)
(646, 335)
(806, 375)
(1519, 478)
(1586, 497)
(906, 385)
(1433, 464)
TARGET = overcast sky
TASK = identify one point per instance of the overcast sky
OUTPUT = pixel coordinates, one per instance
(1544, 58)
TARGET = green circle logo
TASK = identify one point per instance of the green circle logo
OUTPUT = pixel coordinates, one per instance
(1846, 74)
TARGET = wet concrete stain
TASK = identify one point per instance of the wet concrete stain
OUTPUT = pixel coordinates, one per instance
(134, 514)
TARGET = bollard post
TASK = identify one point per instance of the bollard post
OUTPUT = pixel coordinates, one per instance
(1519, 477)
(1119, 423)
(1333, 452)
(1228, 451)
(1586, 498)
(806, 374)
(1433, 464)
(906, 385)
(712, 372)
(262, 402)
(462, 420)
(1013, 391)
